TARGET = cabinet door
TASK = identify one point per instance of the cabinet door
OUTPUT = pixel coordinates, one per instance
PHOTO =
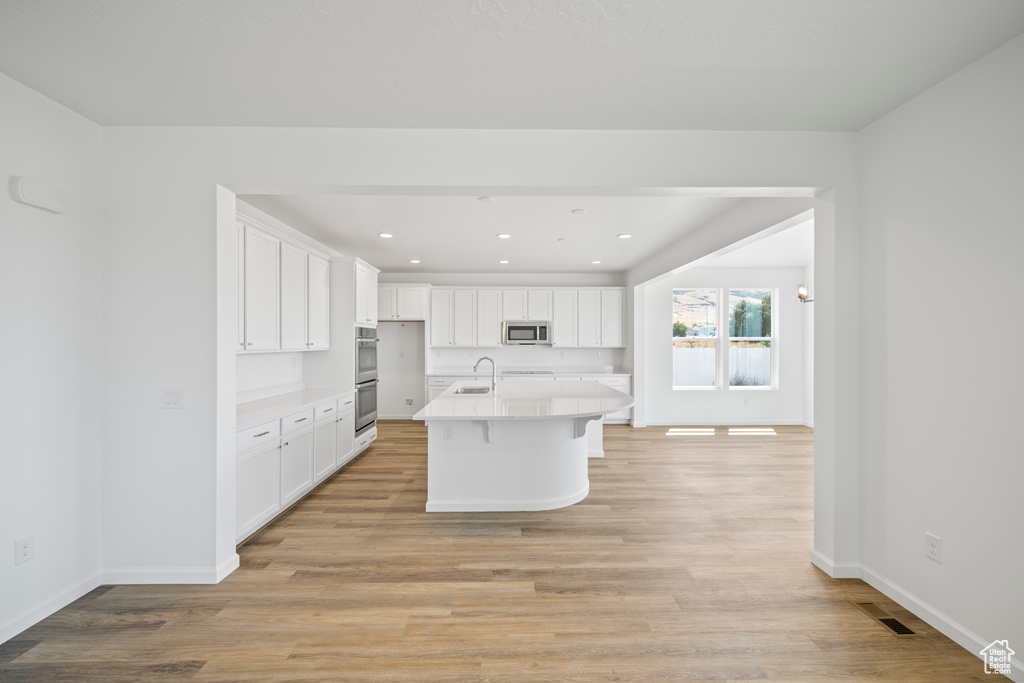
(410, 303)
(538, 305)
(346, 431)
(257, 488)
(366, 296)
(293, 297)
(262, 282)
(441, 317)
(325, 448)
(488, 318)
(386, 303)
(611, 317)
(588, 317)
(240, 260)
(464, 317)
(296, 465)
(563, 317)
(513, 304)
(318, 325)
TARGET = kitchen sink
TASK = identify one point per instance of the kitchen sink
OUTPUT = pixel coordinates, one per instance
(471, 390)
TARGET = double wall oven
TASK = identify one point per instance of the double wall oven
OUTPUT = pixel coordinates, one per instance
(366, 378)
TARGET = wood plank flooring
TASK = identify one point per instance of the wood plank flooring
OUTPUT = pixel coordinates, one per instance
(687, 561)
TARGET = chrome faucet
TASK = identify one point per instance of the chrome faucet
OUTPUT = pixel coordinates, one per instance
(494, 382)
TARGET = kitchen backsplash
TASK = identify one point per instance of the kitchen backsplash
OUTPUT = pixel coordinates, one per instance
(527, 356)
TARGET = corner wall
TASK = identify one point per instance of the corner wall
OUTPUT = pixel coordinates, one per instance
(942, 265)
(50, 373)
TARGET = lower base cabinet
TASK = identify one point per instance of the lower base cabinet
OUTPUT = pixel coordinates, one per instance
(258, 488)
(280, 461)
(296, 465)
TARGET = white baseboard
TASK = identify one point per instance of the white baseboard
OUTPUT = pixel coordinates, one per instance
(942, 623)
(809, 424)
(955, 631)
(721, 423)
(183, 575)
(36, 613)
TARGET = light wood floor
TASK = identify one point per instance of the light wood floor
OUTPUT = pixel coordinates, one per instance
(687, 561)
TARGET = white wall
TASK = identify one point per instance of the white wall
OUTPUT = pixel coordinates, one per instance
(807, 313)
(401, 366)
(667, 406)
(942, 250)
(51, 369)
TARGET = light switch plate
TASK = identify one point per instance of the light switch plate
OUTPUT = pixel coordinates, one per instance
(170, 398)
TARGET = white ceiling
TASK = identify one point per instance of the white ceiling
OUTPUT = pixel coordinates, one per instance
(789, 248)
(576, 64)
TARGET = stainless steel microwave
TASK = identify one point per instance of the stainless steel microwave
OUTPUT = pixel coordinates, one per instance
(525, 332)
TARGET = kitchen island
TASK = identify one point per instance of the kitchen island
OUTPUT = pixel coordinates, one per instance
(520, 446)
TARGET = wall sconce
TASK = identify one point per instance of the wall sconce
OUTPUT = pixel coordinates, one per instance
(802, 292)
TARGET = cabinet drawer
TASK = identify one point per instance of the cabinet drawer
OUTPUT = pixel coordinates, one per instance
(346, 403)
(442, 381)
(325, 410)
(295, 421)
(257, 436)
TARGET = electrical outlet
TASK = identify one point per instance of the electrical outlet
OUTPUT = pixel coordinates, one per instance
(933, 547)
(408, 401)
(448, 433)
(24, 549)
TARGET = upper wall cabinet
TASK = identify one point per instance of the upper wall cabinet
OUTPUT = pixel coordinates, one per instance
(283, 295)
(402, 302)
(453, 317)
(262, 278)
(563, 317)
(526, 304)
(366, 295)
(599, 318)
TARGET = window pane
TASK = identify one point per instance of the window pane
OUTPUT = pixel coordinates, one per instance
(694, 333)
(694, 313)
(750, 313)
(750, 363)
(693, 362)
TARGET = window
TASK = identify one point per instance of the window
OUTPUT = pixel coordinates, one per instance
(723, 339)
(750, 337)
(694, 338)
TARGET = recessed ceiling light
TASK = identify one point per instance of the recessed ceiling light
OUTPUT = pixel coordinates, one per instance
(579, 211)
(414, 261)
(595, 262)
(485, 199)
(502, 261)
(385, 235)
(504, 236)
(624, 236)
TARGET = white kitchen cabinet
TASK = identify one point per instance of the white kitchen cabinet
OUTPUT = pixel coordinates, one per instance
(257, 487)
(293, 298)
(296, 465)
(240, 261)
(318, 303)
(464, 318)
(563, 317)
(619, 382)
(441, 313)
(599, 318)
(345, 426)
(262, 291)
(453, 317)
(488, 317)
(526, 304)
(325, 440)
(611, 317)
(366, 295)
(396, 302)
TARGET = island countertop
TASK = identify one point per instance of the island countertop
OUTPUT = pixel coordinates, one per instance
(525, 400)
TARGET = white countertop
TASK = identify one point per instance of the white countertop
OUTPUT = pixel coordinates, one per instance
(526, 401)
(254, 412)
(503, 371)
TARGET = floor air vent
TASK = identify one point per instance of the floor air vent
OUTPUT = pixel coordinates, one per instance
(895, 626)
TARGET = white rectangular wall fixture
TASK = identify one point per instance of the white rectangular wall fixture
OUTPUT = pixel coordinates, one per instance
(38, 194)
